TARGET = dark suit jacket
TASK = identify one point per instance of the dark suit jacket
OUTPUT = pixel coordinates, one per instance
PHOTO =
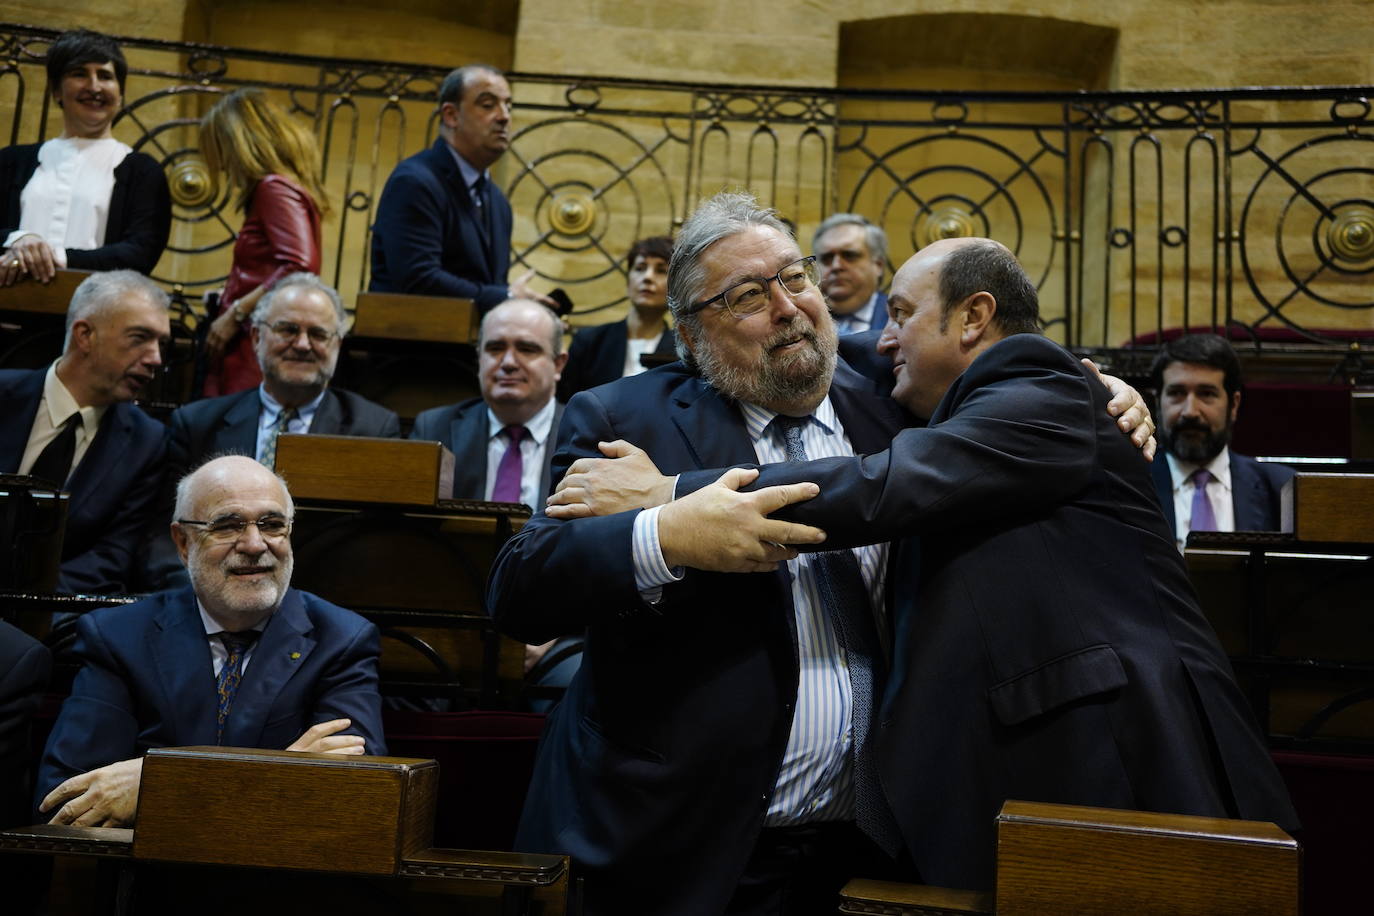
(1255, 492)
(112, 490)
(147, 680)
(655, 771)
(1048, 643)
(139, 220)
(24, 667)
(228, 425)
(462, 429)
(597, 356)
(430, 239)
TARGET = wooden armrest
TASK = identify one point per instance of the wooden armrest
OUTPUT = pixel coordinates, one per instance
(892, 898)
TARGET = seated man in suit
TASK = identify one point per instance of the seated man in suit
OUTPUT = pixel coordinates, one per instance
(605, 352)
(74, 424)
(443, 228)
(24, 667)
(297, 333)
(237, 659)
(1202, 484)
(852, 253)
(1046, 642)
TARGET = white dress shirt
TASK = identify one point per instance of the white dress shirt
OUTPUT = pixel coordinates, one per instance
(1218, 494)
(67, 201)
(218, 653)
(635, 347)
(532, 450)
(56, 405)
(271, 410)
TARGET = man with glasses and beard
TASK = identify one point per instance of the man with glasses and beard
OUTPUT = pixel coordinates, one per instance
(297, 333)
(1202, 484)
(237, 659)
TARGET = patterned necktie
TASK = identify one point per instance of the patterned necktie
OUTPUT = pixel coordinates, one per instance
(1203, 517)
(846, 600)
(269, 448)
(227, 683)
(54, 463)
(511, 469)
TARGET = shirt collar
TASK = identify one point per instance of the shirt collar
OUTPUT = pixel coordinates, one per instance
(537, 426)
(62, 405)
(212, 626)
(271, 409)
(756, 418)
(469, 172)
(1220, 466)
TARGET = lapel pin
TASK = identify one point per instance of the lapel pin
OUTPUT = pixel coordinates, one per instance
(295, 655)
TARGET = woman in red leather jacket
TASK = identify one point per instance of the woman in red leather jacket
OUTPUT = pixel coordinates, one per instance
(274, 163)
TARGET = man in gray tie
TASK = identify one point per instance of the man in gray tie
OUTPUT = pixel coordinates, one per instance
(1202, 484)
(75, 424)
(238, 658)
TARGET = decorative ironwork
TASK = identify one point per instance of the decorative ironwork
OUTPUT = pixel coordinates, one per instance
(1134, 211)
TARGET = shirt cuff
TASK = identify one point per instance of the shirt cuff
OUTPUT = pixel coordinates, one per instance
(651, 572)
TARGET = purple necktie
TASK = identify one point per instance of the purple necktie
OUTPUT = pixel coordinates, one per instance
(1203, 518)
(511, 468)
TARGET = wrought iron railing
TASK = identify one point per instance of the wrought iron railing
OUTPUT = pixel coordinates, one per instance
(1135, 212)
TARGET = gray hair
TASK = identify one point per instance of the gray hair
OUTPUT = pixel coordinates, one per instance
(456, 83)
(301, 279)
(186, 485)
(719, 217)
(555, 325)
(874, 236)
(101, 292)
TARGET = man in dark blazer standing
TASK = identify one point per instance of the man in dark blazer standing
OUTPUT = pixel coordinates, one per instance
(75, 425)
(297, 332)
(443, 227)
(238, 659)
(1198, 382)
(1047, 644)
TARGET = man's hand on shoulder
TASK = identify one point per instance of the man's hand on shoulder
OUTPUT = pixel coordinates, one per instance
(324, 738)
(625, 479)
(105, 797)
(720, 529)
(1131, 412)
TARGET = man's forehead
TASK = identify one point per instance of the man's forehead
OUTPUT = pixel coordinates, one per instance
(750, 252)
(845, 235)
(236, 491)
(1197, 373)
(304, 302)
(517, 327)
(81, 67)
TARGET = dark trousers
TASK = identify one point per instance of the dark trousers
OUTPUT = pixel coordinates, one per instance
(799, 871)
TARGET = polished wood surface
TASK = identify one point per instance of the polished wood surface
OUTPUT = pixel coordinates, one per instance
(397, 316)
(42, 298)
(322, 812)
(1330, 508)
(358, 469)
(1065, 858)
(891, 898)
(1362, 425)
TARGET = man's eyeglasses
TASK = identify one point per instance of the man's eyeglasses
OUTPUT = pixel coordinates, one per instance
(751, 296)
(229, 528)
(290, 332)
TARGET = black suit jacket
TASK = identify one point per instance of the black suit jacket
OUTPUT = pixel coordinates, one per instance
(1256, 491)
(112, 490)
(24, 667)
(228, 425)
(462, 429)
(430, 239)
(147, 680)
(1048, 644)
(139, 220)
(655, 770)
(597, 356)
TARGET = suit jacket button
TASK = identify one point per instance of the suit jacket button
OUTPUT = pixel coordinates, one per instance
(763, 800)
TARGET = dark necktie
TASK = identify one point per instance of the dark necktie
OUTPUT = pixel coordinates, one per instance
(269, 448)
(1204, 519)
(54, 463)
(846, 600)
(511, 469)
(481, 199)
(227, 684)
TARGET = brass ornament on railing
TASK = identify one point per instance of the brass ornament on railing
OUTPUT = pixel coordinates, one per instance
(1351, 234)
(191, 184)
(946, 222)
(572, 213)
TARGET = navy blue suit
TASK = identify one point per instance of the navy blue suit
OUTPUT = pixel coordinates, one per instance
(24, 667)
(655, 771)
(147, 680)
(431, 239)
(463, 429)
(1048, 644)
(597, 356)
(1255, 492)
(112, 490)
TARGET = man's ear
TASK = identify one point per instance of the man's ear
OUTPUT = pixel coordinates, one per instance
(1235, 406)
(976, 317)
(83, 334)
(559, 363)
(685, 336)
(448, 115)
(182, 540)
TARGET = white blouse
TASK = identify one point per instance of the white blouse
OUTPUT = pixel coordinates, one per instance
(67, 201)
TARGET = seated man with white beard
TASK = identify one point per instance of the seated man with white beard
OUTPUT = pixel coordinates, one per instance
(237, 659)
